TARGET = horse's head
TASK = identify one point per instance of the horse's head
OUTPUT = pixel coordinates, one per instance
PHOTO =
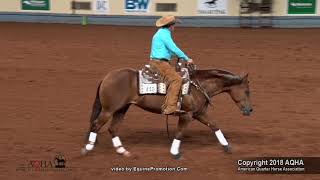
(216, 81)
(240, 93)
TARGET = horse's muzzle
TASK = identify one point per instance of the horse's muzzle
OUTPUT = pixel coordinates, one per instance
(246, 111)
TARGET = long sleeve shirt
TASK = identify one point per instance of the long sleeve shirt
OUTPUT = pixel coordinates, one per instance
(163, 46)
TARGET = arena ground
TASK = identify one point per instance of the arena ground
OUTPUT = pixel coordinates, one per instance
(49, 75)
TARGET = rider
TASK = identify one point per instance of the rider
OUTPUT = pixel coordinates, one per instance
(162, 49)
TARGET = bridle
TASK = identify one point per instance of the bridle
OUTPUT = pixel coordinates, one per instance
(201, 89)
(239, 100)
(191, 68)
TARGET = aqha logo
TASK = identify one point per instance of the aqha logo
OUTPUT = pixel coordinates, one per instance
(294, 162)
(137, 5)
(40, 164)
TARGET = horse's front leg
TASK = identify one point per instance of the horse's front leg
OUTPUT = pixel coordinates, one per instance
(203, 118)
(184, 120)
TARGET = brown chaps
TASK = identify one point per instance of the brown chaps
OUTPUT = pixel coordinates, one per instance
(172, 79)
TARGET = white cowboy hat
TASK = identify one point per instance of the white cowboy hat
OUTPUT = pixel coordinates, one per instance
(165, 20)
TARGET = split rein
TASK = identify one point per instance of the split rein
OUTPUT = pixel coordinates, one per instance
(191, 68)
(195, 83)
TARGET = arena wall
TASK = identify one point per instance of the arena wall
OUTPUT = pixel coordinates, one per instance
(61, 11)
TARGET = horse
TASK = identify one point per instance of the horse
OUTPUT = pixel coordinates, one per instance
(119, 90)
(212, 2)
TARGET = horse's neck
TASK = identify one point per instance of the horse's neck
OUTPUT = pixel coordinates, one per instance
(216, 81)
(213, 86)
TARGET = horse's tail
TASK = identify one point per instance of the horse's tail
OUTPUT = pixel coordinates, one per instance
(97, 107)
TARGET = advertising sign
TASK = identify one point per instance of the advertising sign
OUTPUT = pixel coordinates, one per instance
(101, 6)
(137, 5)
(35, 5)
(212, 7)
(301, 6)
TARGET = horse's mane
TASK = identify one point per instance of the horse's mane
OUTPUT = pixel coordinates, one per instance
(209, 73)
(228, 77)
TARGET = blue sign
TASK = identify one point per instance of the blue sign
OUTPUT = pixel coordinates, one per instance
(137, 5)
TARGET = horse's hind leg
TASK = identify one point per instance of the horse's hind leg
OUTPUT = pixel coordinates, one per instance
(113, 129)
(95, 126)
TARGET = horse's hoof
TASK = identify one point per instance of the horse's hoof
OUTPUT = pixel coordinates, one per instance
(84, 151)
(227, 149)
(177, 156)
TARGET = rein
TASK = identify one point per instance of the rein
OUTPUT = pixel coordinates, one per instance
(192, 68)
(195, 83)
(168, 133)
(201, 89)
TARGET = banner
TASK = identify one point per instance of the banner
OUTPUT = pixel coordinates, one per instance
(35, 5)
(212, 7)
(137, 6)
(301, 6)
(101, 6)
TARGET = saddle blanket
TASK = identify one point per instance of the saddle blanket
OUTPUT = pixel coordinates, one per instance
(150, 85)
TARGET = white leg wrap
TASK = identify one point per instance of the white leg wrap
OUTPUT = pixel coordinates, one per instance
(175, 147)
(116, 142)
(92, 140)
(221, 138)
(92, 137)
(118, 145)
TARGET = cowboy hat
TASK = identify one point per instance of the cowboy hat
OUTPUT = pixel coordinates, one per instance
(166, 20)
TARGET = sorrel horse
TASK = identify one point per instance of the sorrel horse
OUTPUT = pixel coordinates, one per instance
(119, 89)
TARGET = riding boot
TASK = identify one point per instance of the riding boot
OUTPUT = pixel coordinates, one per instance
(172, 95)
(174, 82)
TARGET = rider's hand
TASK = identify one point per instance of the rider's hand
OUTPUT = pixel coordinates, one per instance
(190, 61)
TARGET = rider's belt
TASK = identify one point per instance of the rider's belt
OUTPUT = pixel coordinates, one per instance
(165, 60)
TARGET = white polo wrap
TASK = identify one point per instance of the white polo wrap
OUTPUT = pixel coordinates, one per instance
(116, 142)
(221, 138)
(175, 147)
(92, 137)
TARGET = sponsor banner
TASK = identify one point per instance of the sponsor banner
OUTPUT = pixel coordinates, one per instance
(35, 5)
(140, 6)
(212, 7)
(101, 6)
(302, 6)
(82, 5)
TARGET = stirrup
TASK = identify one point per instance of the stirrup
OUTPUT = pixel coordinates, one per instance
(180, 111)
(176, 112)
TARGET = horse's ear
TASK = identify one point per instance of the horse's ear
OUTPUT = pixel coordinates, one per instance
(244, 77)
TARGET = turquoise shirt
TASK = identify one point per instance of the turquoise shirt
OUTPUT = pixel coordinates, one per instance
(163, 46)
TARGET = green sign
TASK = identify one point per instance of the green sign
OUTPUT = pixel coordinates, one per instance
(35, 5)
(302, 6)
